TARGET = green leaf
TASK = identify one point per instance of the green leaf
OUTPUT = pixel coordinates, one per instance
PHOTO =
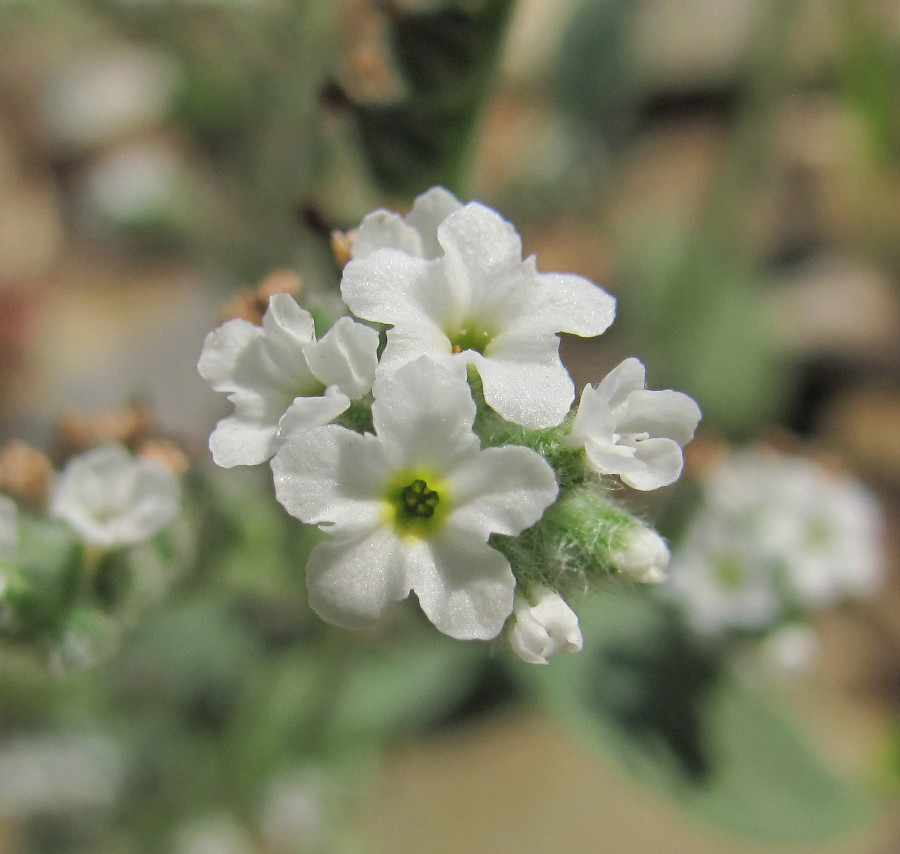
(398, 687)
(447, 58)
(42, 578)
(647, 694)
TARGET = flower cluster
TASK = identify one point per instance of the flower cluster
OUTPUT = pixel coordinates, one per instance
(431, 434)
(775, 537)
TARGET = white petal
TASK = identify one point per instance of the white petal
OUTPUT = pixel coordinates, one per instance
(428, 211)
(238, 441)
(621, 381)
(392, 287)
(331, 476)
(346, 356)
(464, 586)
(307, 412)
(284, 318)
(657, 463)
(383, 229)
(529, 386)
(352, 579)
(610, 458)
(661, 413)
(573, 304)
(502, 490)
(289, 331)
(221, 351)
(594, 420)
(479, 244)
(405, 344)
(424, 414)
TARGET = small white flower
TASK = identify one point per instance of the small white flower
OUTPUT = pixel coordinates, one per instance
(9, 526)
(821, 531)
(411, 507)
(775, 533)
(280, 379)
(544, 626)
(481, 304)
(633, 432)
(415, 234)
(721, 580)
(112, 498)
(643, 555)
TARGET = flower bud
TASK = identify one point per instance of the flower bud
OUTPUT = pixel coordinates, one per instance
(643, 555)
(546, 627)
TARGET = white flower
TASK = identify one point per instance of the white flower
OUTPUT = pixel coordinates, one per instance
(415, 234)
(280, 379)
(112, 498)
(775, 533)
(821, 531)
(543, 628)
(721, 580)
(410, 507)
(480, 304)
(633, 432)
(9, 526)
(643, 555)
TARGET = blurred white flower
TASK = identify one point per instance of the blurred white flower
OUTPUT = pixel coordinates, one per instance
(213, 834)
(293, 818)
(542, 626)
(57, 773)
(112, 498)
(415, 233)
(774, 534)
(720, 578)
(633, 432)
(281, 380)
(792, 649)
(480, 304)
(411, 507)
(643, 555)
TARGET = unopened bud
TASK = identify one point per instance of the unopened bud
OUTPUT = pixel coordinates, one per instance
(543, 628)
(643, 555)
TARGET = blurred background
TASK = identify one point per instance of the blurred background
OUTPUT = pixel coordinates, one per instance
(729, 169)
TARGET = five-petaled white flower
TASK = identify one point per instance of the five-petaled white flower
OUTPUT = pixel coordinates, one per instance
(481, 304)
(281, 380)
(633, 432)
(415, 234)
(112, 498)
(543, 626)
(411, 507)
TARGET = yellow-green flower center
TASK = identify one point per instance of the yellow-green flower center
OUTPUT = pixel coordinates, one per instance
(730, 572)
(417, 503)
(470, 337)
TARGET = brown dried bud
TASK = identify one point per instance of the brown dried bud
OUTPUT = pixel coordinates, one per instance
(130, 426)
(342, 246)
(167, 453)
(25, 474)
(251, 304)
